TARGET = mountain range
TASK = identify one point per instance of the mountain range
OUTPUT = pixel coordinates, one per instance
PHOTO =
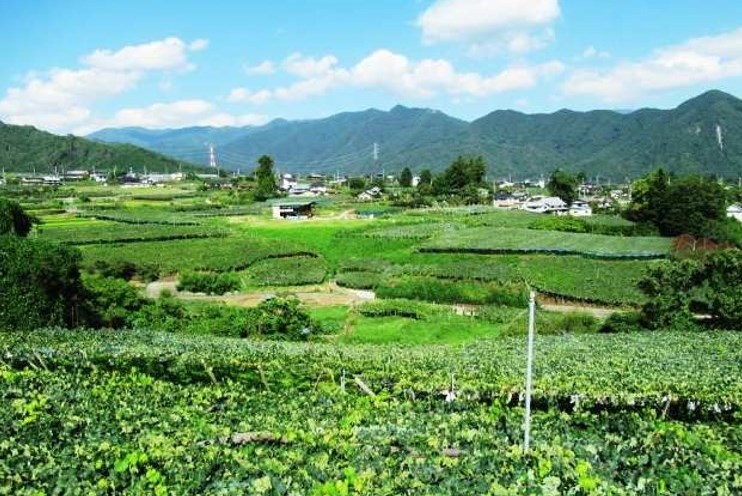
(27, 149)
(702, 135)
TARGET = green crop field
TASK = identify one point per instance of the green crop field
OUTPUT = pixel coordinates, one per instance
(513, 240)
(141, 412)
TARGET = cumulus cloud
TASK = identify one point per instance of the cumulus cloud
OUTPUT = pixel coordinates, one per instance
(490, 26)
(168, 54)
(696, 61)
(243, 95)
(396, 74)
(175, 114)
(60, 99)
(265, 68)
(307, 67)
(591, 52)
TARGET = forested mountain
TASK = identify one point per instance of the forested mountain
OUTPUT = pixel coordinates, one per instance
(702, 135)
(25, 149)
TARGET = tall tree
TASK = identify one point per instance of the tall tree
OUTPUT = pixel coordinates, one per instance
(426, 178)
(265, 178)
(563, 185)
(405, 178)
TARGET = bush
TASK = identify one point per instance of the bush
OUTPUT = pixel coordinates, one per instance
(40, 285)
(623, 322)
(111, 302)
(123, 269)
(209, 282)
(445, 291)
(359, 280)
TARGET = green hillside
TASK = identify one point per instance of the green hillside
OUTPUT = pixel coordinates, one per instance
(25, 149)
(703, 135)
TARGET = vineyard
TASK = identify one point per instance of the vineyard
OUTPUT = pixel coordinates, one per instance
(152, 412)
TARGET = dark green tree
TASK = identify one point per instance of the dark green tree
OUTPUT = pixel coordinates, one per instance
(405, 178)
(462, 173)
(14, 220)
(40, 285)
(563, 185)
(426, 178)
(265, 178)
(693, 205)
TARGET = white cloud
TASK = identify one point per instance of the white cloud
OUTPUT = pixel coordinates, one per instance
(396, 74)
(698, 60)
(60, 99)
(198, 44)
(307, 67)
(168, 54)
(591, 52)
(491, 25)
(173, 115)
(243, 95)
(265, 68)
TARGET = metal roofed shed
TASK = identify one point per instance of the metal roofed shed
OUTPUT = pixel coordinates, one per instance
(292, 209)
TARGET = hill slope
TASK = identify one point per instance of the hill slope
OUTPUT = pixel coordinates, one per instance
(702, 135)
(25, 148)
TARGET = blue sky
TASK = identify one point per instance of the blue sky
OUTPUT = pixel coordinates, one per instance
(78, 65)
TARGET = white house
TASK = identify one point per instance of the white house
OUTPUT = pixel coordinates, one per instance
(546, 205)
(735, 211)
(580, 208)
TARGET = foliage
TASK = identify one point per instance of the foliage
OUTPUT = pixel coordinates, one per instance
(287, 271)
(405, 178)
(281, 318)
(442, 291)
(92, 232)
(710, 284)
(209, 282)
(622, 322)
(359, 280)
(265, 178)
(14, 220)
(512, 240)
(111, 302)
(563, 185)
(461, 178)
(40, 284)
(688, 205)
(227, 254)
(123, 269)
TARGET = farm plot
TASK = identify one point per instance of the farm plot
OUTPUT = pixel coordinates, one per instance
(220, 255)
(286, 271)
(511, 240)
(93, 231)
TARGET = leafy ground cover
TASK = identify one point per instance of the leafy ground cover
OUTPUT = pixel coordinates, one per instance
(286, 271)
(223, 254)
(92, 231)
(160, 413)
(512, 240)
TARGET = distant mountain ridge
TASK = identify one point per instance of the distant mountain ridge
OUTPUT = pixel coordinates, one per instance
(702, 135)
(27, 149)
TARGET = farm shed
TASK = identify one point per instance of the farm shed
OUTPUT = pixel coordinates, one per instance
(293, 209)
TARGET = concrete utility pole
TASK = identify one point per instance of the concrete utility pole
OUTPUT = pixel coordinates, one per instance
(529, 370)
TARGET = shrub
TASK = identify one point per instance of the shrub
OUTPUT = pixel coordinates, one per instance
(445, 291)
(622, 322)
(40, 285)
(111, 302)
(359, 280)
(209, 282)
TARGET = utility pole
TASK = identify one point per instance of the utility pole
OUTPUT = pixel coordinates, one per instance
(376, 157)
(529, 370)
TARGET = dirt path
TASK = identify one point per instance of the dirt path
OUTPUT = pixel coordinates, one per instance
(597, 312)
(321, 295)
